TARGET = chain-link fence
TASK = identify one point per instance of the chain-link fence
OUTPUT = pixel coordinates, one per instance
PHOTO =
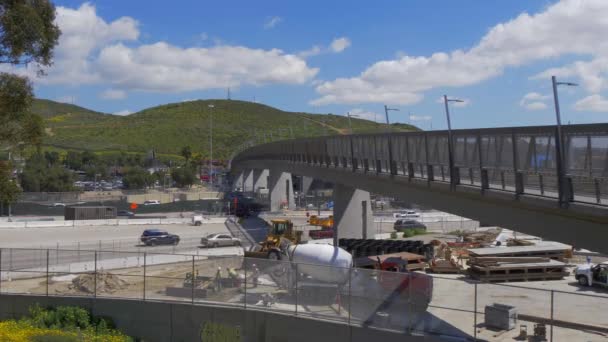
(404, 302)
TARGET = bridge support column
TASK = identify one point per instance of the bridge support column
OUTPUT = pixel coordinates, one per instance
(248, 181)
(306, 183)
(239, 181)
(260, 179)
(281, 190)
(353, 216)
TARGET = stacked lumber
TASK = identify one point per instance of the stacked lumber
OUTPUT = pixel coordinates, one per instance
(495, 269)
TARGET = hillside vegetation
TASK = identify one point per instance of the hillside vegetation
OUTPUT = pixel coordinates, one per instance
(168, 128)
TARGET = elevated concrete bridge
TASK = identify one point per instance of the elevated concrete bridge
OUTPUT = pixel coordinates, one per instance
(524, 178)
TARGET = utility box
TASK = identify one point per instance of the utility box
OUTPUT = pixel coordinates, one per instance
(89, 213)
(500, 316)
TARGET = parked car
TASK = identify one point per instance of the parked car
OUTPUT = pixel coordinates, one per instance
(401, 225)
(57, 204)
(153, 237)
(592, 275)
(406, 214)
(220, 240)
(152, 202)
(125, 213)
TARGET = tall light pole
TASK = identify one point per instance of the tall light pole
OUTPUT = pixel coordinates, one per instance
(211, 106)
(350, 124)
(560, 160)
(453, 180)
(386, 110)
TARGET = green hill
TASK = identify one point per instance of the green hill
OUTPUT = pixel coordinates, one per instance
(168, 128)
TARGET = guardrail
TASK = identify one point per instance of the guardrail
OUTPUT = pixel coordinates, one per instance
(523, 160)
(363, 298)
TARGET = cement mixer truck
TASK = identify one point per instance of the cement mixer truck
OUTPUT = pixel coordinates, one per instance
(327, 271)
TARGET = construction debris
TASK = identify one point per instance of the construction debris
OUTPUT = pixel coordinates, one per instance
(445, 266)
(105, 283)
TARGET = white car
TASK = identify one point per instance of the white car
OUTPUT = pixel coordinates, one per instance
(406, 214)
(592, 274)
(152, 202)
(220, 240)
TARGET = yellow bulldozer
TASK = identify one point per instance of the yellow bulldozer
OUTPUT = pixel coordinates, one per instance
(280, 235)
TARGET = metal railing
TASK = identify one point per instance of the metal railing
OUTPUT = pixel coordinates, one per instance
(522, 160)
(403, 302)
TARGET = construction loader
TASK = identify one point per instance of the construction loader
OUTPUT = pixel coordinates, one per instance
(280, 236)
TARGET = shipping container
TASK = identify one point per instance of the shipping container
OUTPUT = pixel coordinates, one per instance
(90, 213)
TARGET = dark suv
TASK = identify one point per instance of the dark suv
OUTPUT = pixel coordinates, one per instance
(401, 225)
(153, 237)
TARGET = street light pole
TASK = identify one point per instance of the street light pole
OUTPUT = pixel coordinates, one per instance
(559, 147)
(453, 180)
(211, 146)
(350, 124)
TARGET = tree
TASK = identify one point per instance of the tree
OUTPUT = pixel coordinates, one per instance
(183, 176)
(186, 153)
(137, 178)
(28, 35)
(38, 176)
(9, 190)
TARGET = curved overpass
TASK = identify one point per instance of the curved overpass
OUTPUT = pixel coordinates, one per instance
(525, 178)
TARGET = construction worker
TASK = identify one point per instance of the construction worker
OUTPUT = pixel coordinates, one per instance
(233, 275)
(255, 275)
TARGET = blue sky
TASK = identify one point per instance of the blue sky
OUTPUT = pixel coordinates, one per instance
(338, 57)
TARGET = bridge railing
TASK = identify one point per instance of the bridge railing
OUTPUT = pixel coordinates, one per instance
(524, 160)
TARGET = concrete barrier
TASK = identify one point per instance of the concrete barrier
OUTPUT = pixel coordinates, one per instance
(170, 321)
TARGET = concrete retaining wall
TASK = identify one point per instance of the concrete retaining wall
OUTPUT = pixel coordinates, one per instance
(156, 321)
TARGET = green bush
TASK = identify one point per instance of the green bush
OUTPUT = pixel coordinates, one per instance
(70, 318)
(393, 235)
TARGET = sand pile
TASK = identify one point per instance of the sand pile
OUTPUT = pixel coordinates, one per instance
(106, 283)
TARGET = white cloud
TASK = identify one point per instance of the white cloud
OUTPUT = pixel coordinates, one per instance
(339, 44)
(421, 117)
(363, 114)
(336, 46)
(535, 106)
(166, 68)
(123, 112)
(592, 103)
(534, 101)
(567, 27)
(93, 51)
(271, 22)
(66, 99)
(313, 51)
(113, 94)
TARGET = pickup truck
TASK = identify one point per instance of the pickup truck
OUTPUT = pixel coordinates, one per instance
(592, 275)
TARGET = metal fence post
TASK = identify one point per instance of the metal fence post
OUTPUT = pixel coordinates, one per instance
(551, 331)
(144, 296)
(0, 271)
(350, 295)
(245, 284)
(296, 289)
(193, 279)
(95, 276)
(47, 272)
(475, 315)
